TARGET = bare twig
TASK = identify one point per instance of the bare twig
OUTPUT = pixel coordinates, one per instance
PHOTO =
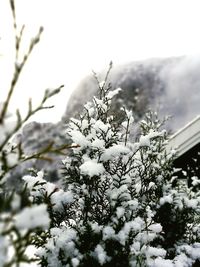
(18, 65)
(31, 112)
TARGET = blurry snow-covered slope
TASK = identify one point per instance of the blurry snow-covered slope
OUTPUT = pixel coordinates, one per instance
(170, 86)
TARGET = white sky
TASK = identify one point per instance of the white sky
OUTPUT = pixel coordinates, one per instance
(81, 35)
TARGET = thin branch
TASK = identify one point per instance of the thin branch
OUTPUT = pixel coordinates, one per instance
(18, 66)
(30, 113)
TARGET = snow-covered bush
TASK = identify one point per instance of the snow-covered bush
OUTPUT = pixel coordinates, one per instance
(121, 203)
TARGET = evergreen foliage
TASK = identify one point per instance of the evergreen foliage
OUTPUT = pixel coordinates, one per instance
(121, 202)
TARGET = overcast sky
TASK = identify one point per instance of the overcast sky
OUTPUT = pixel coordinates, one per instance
(81, 35)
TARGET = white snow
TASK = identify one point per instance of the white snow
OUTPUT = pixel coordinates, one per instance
(38, 183)
(98, 143)
(100, 103)
(108, 232)
(129, 118)
(191, 203)
(125, 124)
(144, 140)
(96, 227)
(157, 252)
(89, 108)
(99, 126)
(159, 262)
(133, 204)
(136, 225)
(151, 185)
(75, 262)
(101, 84)
(157, 228)
(111, 94)
(166, 199)
(195, 181)
(92, 168)
(33, 217)
(120, 212)
(4, 244)
(114, 151)
(60, 198)
(84, 124)
(78, 138)
(38, 187)
(100, 254)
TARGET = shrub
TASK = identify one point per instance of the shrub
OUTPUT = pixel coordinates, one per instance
(121, 203)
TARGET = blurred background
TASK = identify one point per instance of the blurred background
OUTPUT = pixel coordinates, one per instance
(81, 36)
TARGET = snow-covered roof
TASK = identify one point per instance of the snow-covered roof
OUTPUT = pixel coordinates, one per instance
(187, 137)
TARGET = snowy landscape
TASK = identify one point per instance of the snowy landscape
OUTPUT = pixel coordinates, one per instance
(108, 184)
